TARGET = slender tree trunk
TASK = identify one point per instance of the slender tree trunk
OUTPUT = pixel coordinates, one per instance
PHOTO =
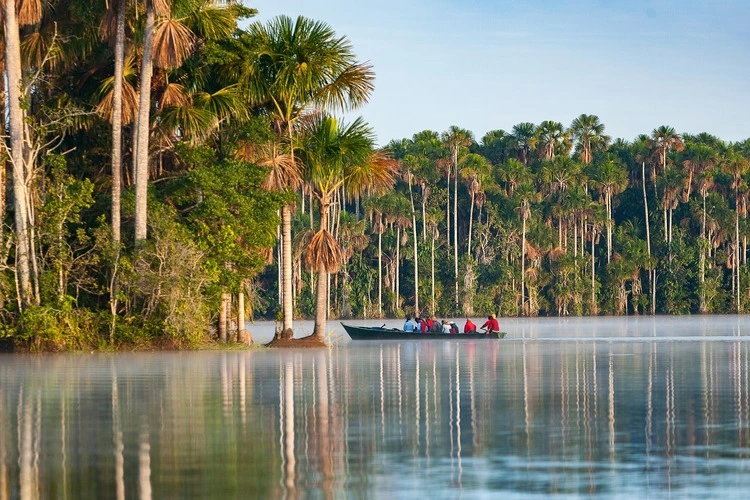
(737, 254)
(594, 308)
(523, 266)
(703, 305)
(223, 318)
(380, 271)
(432, 278)
(117, 121)
(471, 220)
(609, 227)
(455, 227)
(416, 254)
(16, 130)
(321, 298)
(448, 208)
(241, 332)
(648, 233)
(286, 264)
(398, 267)
(144, 107)
(424, 215)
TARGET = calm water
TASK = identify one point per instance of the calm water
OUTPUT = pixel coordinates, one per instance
(604, 407)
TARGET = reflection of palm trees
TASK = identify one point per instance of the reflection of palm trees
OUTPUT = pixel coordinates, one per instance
(144, 463)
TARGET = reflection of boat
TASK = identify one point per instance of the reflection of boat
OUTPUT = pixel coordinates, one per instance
(382, 333)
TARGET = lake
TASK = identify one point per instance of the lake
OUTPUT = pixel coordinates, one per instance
(610, 407)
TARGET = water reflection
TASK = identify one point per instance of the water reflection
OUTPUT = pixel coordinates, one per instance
(586, 417)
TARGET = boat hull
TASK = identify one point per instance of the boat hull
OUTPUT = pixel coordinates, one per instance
(380, 333)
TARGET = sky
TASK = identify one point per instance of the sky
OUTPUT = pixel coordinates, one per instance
(486, 65)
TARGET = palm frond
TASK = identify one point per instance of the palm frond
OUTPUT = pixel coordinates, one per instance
(324, 253)
(129, 103)
(193, 123)
(174, 95)
(173, 43)
(29, 12)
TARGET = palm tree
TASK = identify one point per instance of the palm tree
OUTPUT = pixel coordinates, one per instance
(167, 42)
(736, 165)
(552, 138)
(523, 137)
(699, 158)
(671, 183)
(588, 131)
(291, 68)
(524, 196)
(609, 178)
(455, 139)
(663, 140)
(12, 21)
(476, 169)
(558, 175)
(513, 173)
(336, 155)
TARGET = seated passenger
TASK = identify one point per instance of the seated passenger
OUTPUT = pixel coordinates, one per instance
(409, 325)
(437, 326)
(491, 325)
(446, 326)
(454, 327)
(470, 327)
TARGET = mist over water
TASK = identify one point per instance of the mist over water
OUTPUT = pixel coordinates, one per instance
(644, 406)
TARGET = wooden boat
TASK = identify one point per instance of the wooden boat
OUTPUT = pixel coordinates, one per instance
(382, 333)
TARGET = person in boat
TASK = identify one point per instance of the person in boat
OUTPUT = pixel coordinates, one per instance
(409, 325)
(418, 324)
(446, 326)
(426, 325)
(437, 326)
(491, 325)
(470, 327)
(454, 327)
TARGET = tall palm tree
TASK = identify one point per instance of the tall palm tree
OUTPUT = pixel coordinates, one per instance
(558, 175)
(588, 131)
(293, 67)
(523, 137)
(663, 140)
(336, 155)
(171, 33)
(552, 138)
(524, 196)
(671, 183)
(455, 139)
(609, 178)
(13, 19)
(736, 165)
(476, 169)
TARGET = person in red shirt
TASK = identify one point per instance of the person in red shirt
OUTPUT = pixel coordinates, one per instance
(470, 327)
(491, 324)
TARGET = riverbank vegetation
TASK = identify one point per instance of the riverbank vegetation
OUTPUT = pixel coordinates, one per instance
(168, 173)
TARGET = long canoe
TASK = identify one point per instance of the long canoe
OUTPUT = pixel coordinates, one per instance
(382, 333)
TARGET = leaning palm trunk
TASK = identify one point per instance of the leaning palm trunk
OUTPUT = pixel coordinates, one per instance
(144, 106)
(20, 189)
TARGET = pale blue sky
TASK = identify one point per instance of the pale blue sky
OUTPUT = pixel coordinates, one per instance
(485, 65)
